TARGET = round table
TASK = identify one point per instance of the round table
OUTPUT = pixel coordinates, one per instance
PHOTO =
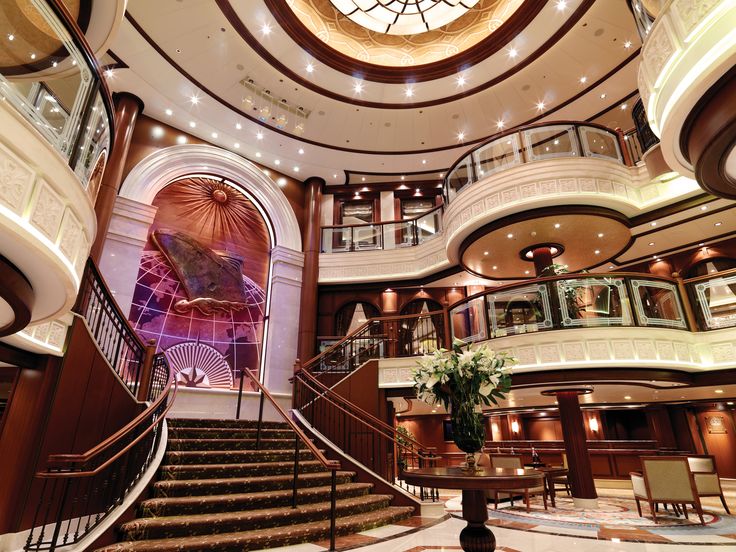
(476, 536)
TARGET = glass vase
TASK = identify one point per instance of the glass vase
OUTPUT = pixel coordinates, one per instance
(468, 431)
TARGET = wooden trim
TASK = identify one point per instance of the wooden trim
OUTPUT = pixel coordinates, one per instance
(17, 291)
(20, 358)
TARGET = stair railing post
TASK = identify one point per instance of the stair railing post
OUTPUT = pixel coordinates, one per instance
(240, 393)
(296, 471)
(144, 385)
(333, 507)
(260, 420)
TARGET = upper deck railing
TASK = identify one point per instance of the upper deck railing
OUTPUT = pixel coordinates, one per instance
(536, 142)
(55, 82)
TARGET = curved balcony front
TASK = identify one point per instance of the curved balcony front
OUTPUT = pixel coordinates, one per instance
(56, 121)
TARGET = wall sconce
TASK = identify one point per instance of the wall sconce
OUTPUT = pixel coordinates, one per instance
(593, 423)
(515, 426)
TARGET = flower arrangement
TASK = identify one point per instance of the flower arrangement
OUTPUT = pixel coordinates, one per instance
(463, 381)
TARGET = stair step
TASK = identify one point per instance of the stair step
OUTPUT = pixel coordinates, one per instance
(267, 538)
(197, 422)
(188, 505)
(224, 471)
(233, 522)
(186, 432)
(180, 457)
(199, 487)
(228, 444)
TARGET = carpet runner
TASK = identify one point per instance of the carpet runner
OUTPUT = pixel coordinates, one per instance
(215, 491)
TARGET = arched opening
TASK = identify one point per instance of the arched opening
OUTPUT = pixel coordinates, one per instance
(420, 334)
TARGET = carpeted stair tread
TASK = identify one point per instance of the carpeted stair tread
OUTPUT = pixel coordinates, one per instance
(232, 456)
(267, 538)
(228, 444)
(232, 522)
(224, 471)
(196, 487)
(186, 505)
(196, 422)
(185, 432)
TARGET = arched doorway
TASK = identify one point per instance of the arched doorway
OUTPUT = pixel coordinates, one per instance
(420, 334)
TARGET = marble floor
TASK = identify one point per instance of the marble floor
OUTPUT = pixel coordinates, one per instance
(516, 533)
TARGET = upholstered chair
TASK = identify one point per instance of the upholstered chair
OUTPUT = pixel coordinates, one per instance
(561, 480)
(707, 482)
(665, 479)
(514, 461)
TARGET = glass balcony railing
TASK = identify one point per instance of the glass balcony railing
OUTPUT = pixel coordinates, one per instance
(533, 143)
(382, 235)
(50, 76)
(714, 299)
(570, 301)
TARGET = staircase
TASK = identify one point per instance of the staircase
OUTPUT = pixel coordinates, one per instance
(217, 492)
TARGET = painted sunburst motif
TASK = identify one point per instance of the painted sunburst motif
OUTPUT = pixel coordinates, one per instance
(403, 17)
(199, 365)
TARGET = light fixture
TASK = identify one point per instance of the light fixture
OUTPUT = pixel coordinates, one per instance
(500, 124)
(624, 106)
(593, 424)
(526, 272)
(460, 80)
(277, 162)
(181, 139)
(627, 397)
(704, 208)
(238, 126)
(192, 124)
(561, 5)
(540, 106)
(157, 132)
(169, 112)
(718, 223)
(654, 223)
(495, 267)
(557, 225)
(259, 136)
(650, 244)
(214, 135)
(627, 44)
(597, 251)
(513, 53)
(402, 177)
(409, 92)
(603, 96)
(258, 154)
(301, 151)
(719, 391)
(296, 168)
(33, 56)
(509, 235)
(194, 99)
(358, 87)
(600, 234)
(424, 161)
(108, 73)
(310, 68)
(236, 145)
(281, 182)
(583, 79)
(515, 426)
(11, 37)
(461, 136)
(485, 252)
(266, 29)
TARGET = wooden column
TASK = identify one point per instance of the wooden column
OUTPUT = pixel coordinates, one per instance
(310, 274)
(576, 446)
(542, 257)
(127, 109)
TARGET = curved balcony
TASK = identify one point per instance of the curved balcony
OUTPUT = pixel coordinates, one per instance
(537, 142)
(56, 117)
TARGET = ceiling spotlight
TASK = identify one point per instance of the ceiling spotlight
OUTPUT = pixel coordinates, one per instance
(296, 169)
(485, 252)
(424, 161)
(192, 124)
(238, 126)
(301, 151)
(157, 132)
(561, 5)
(281, 182)
(624, 106)
(540, 106)
(181, 139)
(603, 96)
(627, 44)
(409, 92)
(194, 99)
(310, 68)
(654, 223)
(334, 176)
(266, 29)
(460, 80)
(717, 224)
(402, 177)
(526, 272)
(627, 397)
(600, 234)
(557, 225)
(11, 37)
(701, 244)
(597, 251)
(461, 136)
(258, 154)
(259, 136)
(513, 53)
(277, 162)
(495, 267)
(719, 391)
(583, 80)
(33, 56)
(509, 236)
(704, 208)
(108, 73)
(236, 145)
(169, 112)
(500, 124)
(358, 87)
(214, 135)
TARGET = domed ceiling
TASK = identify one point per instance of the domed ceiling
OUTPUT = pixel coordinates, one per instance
(312, 87)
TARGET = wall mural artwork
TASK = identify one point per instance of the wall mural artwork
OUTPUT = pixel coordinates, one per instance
(201, 288)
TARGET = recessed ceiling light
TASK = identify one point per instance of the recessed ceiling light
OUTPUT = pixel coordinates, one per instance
(358, 87)
(718, 223)
(266, 172)
(310, 68)
(214, 135)
(266, 29)
(627, 44)
(157, 132)
(334, 176)
(701, 244)
(624, 106)
(600, 234)
(296, 169)
(654, 223)
(402, 177)
(258, 154)
(540, 106)
(526, 272)
(460, 80)
(301, 151)
(108, 73)
(11, 37)
(509, 236)
(238, 126)
(611, 267)
(281, 182)
(259, 136)
(181, 139)
(650, 244)
(409, 92)
(424, 161)
(236, 145)
(460, 136)
(719, 391)
(513, 53)
(277, 162)
(729, 403)
(603, 96)
(33, 56)
(500, 124)
(557, 225)
(192, 124)
(597, 251)
(704, 208)
(194, 99)
(169, 112)
(495, 267)
(561, 5)
(362, 178)
(583, 79)
(485, 252)
(627, 397)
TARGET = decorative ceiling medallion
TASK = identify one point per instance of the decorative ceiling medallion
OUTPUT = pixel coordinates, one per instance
(351, 35)
(403, 17)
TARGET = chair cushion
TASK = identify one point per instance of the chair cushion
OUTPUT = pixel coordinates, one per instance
(700, 464)
(707, 483)
(668, 479)
(640, 489)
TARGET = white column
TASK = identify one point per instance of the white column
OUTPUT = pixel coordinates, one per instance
(283, 321)
(387, 214)
(124, 243)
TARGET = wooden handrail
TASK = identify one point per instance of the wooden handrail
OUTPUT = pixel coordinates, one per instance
(81, 41)
(329, 464)
(362, 327)
(705, 277)
(115, 437)
(380, 223)
(364, 414)
(70, 458)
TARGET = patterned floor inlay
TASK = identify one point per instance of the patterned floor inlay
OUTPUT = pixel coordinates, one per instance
(615, 520)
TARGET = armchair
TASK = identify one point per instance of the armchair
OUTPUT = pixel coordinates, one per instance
(707, 482)
(665, 479)
(513, 461)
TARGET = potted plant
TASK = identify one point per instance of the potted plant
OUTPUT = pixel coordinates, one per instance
(464, 380)
(404, 438)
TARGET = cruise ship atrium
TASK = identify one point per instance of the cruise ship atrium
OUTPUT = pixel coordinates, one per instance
(376, 275)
